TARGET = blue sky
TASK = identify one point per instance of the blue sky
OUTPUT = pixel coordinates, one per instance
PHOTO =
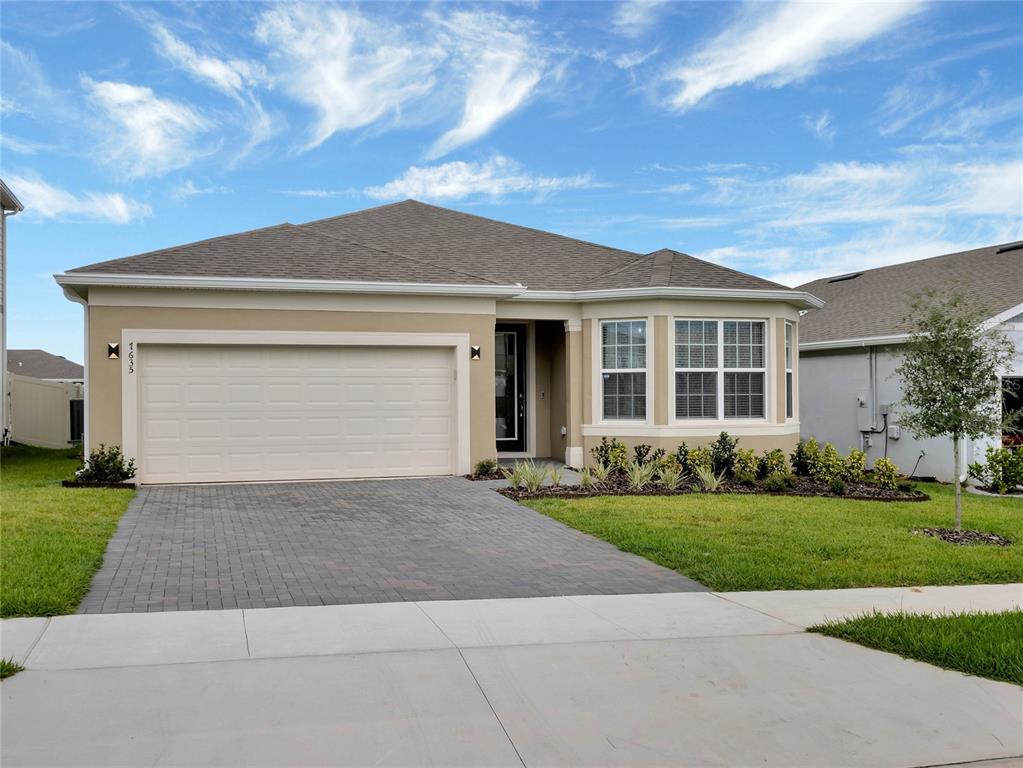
(788, 140)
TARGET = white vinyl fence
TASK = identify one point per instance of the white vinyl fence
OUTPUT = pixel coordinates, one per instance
(39, 410)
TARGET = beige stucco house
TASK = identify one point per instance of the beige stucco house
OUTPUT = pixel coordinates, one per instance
(414, 340)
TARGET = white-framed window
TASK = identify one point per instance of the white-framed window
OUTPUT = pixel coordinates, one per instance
(720, 369)
(789, 406)
(623, 369)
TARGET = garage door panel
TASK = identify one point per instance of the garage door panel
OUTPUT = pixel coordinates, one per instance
(273, 413)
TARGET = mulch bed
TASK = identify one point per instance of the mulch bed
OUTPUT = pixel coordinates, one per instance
(618, 485)
(495, 476)
(952, 536)
(91, 484)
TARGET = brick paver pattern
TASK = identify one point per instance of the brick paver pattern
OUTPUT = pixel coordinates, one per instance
(367, 541)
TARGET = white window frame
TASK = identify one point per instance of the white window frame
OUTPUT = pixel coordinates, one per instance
(601, 370)
(790, 377)
(720, 371)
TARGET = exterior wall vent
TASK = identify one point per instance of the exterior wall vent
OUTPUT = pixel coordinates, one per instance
(843, 278)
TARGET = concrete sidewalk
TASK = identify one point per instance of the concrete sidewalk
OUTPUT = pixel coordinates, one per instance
(660, 679)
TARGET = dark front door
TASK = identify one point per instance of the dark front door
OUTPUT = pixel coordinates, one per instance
(510, 386)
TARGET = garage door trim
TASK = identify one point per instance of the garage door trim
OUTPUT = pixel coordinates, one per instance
(134, 341)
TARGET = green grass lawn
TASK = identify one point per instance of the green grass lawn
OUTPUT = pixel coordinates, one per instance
(52, 539)
(985, 644)
(751, 542)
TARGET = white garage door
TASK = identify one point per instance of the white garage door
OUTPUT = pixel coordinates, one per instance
(222, 413)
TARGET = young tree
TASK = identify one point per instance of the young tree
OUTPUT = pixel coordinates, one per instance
(950, 373)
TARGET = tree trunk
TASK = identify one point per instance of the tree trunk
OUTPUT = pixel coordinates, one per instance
(959, 497)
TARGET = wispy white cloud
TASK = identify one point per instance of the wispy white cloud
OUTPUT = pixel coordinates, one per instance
(908, 101)
(820, 125)
(634, 18)
(22, 146)
(972, 121)
(457, 180)
(189, 189)
(776, 44)
(234, 77)
(350, 70)
(145, 135)
(504, 69)
(43, 200)
(320, 193)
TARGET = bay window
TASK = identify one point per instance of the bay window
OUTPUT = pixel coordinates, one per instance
(623, 369)
(720, 369)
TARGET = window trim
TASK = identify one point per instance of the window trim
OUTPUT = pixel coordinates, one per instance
(790, 351)
(720, 419)
(601, 370)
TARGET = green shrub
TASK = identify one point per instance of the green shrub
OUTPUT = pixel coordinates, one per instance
(601, 472)
(854, 465)
(1002, 470)
(745, 462)
(612, 453)
(527, 475)
(746, 478)
(722, 455)
(886, 474)
(773, 461)
(586, 478)
(639, 475)
(825, 464)
(837, 486)
(485, 467)
(710, 481)
(106, 465)
(692, 459)
(556, 476)
(670, 475)
(805, 454)
(778, 482)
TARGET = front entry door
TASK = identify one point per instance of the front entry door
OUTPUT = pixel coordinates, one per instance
(510, 386)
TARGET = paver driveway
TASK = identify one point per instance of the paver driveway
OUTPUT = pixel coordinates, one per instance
(370, 541)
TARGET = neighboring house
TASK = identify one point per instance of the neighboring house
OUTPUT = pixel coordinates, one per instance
(414, 340)
(44, 399)
(850, 348)
(9, 206)
(42, 365)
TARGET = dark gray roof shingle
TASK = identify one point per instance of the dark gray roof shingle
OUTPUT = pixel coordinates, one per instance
(875, 301)
(416, 242)
(42, 365)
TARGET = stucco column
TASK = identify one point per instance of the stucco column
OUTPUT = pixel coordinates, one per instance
(658, 370)
(779, 370)
(576, 383)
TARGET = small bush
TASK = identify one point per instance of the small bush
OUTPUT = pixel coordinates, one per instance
(692, 459)
(886, 474)
(778, 482)
(1002, 470)
(532, 475)
(601, 472)
(700, 458)
(586, 478)
(513, 475)
(711, 482)
(639, 475)
(837, 486)
(806, 452)
(485, 467)
(746, 478)
(556, 476)
(773, 461)
(745, 462)
(854, 465)
(611, 453)
(670, 475)
(825, 465)
(722, 454)
(106, 465)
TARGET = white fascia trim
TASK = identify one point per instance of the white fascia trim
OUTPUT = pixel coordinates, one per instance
(800, 298)
(86, 279)
(863, 341)
(709, 429)
(1001, 317)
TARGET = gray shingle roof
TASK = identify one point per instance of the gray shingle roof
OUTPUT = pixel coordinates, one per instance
(875, 301)
(416, 242)
(42, 365)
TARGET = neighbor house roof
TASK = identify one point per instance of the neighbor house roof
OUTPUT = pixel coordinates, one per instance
(42, 365)
(873, 303)
(8, 200)
(413, 242)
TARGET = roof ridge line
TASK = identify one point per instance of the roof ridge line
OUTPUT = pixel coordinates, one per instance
(520, 226)
(398, 255)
